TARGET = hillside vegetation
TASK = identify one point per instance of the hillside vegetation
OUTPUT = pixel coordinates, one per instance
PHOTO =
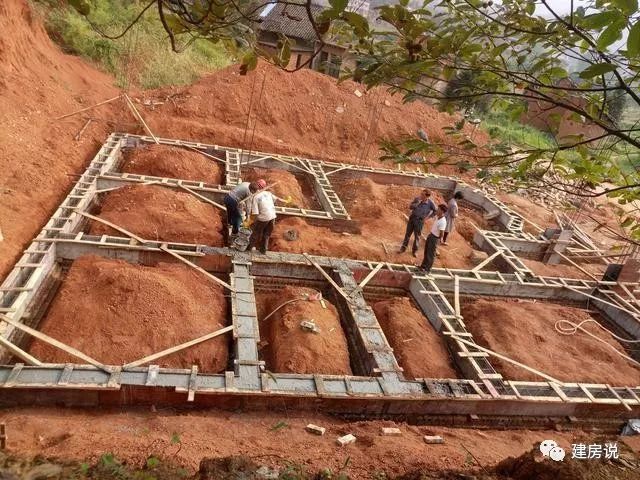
(142, 57)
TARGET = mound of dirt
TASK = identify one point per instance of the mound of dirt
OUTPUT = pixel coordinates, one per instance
(160, 213)
(117, 312)
(285, 184)
(379, 211)
(304, 113)
(417, 346)
(524, 331)
(289, 348)
(172, 162)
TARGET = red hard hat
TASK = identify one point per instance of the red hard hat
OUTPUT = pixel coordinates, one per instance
(261, 184)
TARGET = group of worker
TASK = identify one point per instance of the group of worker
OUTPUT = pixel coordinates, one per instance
(423, 208)
(258, 203)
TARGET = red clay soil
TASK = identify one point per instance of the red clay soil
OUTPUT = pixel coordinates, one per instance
(379, 212)
(417, 346)
(160, 213)
(38, 83)
(296, 115)
(87, 435)
(289, 348)
(565, 270)
(172, 162)
(524, 331)
(534, 212)
(117, 312)
(285, 184)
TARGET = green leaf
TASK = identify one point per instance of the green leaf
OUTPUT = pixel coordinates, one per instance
(338, 5)
(633, 42)
(600, 20)
(249, 62)
(612, 33)
(627, 6)
(358, 22)
(597, 69)
(627, 222)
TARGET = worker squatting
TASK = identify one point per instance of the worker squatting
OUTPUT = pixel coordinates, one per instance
(258, 204)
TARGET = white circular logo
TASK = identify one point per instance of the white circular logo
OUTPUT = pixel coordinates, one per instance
(546, 446)
(557, 454)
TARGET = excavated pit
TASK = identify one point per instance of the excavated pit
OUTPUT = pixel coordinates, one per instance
(525, 331)
(160, 213)
(172, 162)
(379, 211)
(286, 347)
(118, 312)
(419, 349)
(286, 184)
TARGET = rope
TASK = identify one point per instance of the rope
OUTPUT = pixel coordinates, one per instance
(255, 121)
(246, 126)
(567, 327)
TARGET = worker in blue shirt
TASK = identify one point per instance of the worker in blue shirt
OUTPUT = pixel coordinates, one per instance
(421, 208)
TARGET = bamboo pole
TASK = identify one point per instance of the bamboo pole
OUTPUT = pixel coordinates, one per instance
(112, 225)
(88, 108)
(136, 114)
(198, 268)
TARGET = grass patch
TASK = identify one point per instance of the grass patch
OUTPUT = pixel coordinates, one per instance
(499, 126)
(142, 57)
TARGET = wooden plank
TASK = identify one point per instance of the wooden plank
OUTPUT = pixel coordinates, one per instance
(370, 276)
(327, 277)
(177, 348)
(88, 108)
(622, 402)
(456, 294)
(619, 307)
(578, 266)
(52, 341)
(487, 260)
(202, 197)
(507, 359)
(193, 377)
(112, 225)
(208, 155)
(198, 268)
(18, 352)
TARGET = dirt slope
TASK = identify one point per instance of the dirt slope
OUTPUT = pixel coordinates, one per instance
(37, 83)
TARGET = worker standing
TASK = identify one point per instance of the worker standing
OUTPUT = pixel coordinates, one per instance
(452, 214)
(233, 200)
(421, 208)
(262, 218)
(436, 234)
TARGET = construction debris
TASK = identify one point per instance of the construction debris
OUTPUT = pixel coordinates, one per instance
(315, 429)
(390, 432)
(433, 439)
(346, 440)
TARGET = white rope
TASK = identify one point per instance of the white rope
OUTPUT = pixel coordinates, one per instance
(304, 296)
(567, 327)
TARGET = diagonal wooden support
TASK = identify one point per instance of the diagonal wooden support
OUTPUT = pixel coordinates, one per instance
(112, 225)
(198, 268)
(177, 348)
(456, 294)
(372, 273)
(18, 352)
(346, 167)
(202, 197)
(52, 341)
(328, 278)
(136, 114)
(577, 266)
(208, 155)
(506, 359)
(486, 261)
(619, 307)
(88, 108)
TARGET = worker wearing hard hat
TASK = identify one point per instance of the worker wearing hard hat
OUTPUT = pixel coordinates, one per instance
(234, 199)
(261, 217)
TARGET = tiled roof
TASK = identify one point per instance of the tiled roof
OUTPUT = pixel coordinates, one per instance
(291, 20)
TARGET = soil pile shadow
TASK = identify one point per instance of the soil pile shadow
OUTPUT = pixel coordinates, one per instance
(290, 348)
(525, 331)
(418, 348)
(118, 312)
(172, 162)
(159, 213)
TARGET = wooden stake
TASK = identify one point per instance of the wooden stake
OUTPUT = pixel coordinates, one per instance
(112, 225)
(327, 277)
(177, 348)
(88, 108)
(52, 341)
(202, 197)
(3, 436)
(456, 294)
(136, 114)
(198, 268)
